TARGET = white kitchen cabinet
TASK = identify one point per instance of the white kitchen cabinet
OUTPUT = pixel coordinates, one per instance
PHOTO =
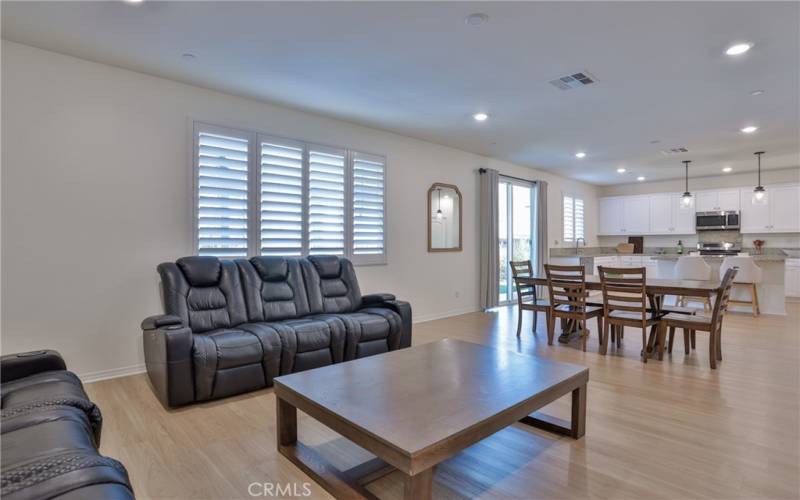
(784, 202)
(709, 201)
(669, 216)
(610, 261)
(780, 213)
(792, 280)
(635, 215)
(611, 210)
(683, 217)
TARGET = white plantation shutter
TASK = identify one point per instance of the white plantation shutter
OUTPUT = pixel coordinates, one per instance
(569, 217)
(369, 202)
(326, 195)
(222, 161)
(578, 218)
(281, 205)
(573, 218)
(262, 195)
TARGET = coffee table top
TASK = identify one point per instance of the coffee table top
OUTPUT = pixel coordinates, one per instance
(416, 398)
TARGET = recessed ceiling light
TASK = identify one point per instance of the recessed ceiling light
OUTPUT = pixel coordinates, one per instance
(727, 169)
(580, 154)
(480, 117)
(738, 49)
(757, 92)
(749, 129)
(476, 19)
(640, 178)
(134, 1)
(189, 56)
(620, 170)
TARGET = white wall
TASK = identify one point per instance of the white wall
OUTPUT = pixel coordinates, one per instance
(721, 181)
(96, 192)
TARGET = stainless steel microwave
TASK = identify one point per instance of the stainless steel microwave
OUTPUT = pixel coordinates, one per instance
(717, 221)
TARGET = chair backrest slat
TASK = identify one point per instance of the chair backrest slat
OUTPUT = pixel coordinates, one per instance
(566, 286)
(523, 268)
(624, 290)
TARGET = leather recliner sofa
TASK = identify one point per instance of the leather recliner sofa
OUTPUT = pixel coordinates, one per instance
(50, 434)
(231, 326)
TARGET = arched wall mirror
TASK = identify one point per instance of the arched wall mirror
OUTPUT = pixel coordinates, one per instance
(444, 218)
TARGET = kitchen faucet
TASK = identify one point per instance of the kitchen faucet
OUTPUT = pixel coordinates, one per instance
(578, 240)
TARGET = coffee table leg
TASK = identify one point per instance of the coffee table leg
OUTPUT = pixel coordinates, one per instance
(287, 422)
(419, 486)
(579, 412)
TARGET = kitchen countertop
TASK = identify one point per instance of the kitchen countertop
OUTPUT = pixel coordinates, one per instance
(775, 257)
(667, 253)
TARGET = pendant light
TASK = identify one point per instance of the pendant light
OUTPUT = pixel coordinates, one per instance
(759, 193)
(439, 214)
(686, 197)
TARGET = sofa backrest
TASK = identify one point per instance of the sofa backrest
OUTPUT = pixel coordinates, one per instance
(331, 284)
(273, 288)
(205, 292)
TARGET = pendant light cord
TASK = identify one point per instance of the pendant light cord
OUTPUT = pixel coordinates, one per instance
(686, 164)
(758, 154)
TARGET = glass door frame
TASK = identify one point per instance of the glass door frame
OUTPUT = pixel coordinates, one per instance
(510, 295)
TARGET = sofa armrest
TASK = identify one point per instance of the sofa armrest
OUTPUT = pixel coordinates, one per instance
(161, 321)
(376, 298)
(402, 308)
(23, 364)
(168, 357)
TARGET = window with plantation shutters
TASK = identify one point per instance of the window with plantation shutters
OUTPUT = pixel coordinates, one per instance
(326, 207)
(262, 195)
(573, 218)
(368, 206)
(222, 161)
(281, 204)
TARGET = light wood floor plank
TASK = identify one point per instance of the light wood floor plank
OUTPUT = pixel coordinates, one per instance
(664, 430)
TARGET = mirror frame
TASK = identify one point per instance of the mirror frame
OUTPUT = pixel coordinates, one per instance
(460, 246)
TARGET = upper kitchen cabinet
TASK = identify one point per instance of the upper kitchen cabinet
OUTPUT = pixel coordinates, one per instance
(636, 214)
(780, 213)
(669, 216)
(710, 201)
(610, 220)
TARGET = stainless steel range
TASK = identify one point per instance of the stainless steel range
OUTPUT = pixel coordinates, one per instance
(719, 248)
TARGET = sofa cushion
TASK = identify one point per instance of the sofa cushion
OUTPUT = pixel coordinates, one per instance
(204, 292)
(200, 271)
(368, 325)
(273, 288)
(23, 400)
(331, 284)
(224, 349)
(301, 337)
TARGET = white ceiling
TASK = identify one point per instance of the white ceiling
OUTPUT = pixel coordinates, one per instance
(418, 69)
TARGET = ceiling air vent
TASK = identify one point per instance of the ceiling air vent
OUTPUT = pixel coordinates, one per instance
(674, 151)
(573, 81)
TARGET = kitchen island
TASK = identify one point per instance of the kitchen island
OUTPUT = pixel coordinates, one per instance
(771, 290)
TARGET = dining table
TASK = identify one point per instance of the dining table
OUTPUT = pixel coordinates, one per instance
(655, 289)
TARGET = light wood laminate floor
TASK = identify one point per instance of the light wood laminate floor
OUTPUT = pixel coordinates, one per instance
(671, 430)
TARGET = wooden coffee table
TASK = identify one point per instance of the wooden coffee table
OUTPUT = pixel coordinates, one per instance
(416, 407)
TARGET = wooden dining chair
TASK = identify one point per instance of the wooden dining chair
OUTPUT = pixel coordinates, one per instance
(692, 324)
(566, 287)
(526, 297)
(625, 303)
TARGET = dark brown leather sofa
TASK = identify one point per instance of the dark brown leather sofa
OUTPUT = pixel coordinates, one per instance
(50, 434)
(231, 326)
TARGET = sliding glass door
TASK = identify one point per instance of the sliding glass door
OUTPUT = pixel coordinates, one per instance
(516, 230)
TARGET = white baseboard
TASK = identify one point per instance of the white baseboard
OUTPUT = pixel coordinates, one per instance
(455, 312)
(112, 373)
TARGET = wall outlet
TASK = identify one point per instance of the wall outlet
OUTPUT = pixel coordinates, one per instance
(458, 294)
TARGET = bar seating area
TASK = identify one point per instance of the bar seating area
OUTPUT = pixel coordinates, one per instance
(629, 299)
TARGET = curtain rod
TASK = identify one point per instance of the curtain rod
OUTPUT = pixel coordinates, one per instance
(483, 171)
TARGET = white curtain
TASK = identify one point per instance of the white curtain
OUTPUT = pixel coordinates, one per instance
(542, 242)
(489, 258)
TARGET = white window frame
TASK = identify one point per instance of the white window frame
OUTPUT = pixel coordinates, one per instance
(573, 197)
(254, 189)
